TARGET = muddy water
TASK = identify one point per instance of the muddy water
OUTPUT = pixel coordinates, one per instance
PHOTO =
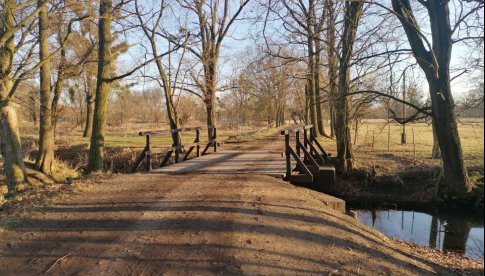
(449, 232)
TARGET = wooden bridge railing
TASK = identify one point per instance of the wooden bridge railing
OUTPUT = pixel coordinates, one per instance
(313, 152)
(176, 149)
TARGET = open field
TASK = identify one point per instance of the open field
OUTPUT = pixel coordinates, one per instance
(373, 137)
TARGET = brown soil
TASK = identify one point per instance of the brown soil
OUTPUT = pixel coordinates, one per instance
(200, 225)
(206, 224)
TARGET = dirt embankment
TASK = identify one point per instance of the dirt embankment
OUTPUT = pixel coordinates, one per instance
(199, 225)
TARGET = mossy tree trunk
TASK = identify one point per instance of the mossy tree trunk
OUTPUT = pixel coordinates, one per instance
(10, 144)
(96, 151)
(45, 157)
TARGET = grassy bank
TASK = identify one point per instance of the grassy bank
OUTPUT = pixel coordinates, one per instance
(405, 173)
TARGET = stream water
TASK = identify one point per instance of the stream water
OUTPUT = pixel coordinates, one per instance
(449, 232)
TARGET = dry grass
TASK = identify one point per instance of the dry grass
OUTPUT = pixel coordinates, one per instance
(400, 177)
(372, 143)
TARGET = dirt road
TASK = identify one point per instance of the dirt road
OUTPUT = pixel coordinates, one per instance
(207, 224)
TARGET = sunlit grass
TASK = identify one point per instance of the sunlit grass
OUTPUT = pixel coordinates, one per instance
(373, 137)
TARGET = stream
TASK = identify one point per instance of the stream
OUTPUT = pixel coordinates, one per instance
(448, 232)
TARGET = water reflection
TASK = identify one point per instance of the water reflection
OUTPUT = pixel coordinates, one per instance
(448, 232)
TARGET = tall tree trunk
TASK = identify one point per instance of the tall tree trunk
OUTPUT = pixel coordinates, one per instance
(311, 86)
(332, 62)
(318, 95)
(96, 151)
(318, 72)
(45, 157)
(353, 14)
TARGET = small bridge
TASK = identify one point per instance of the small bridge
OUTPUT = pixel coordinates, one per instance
(299, 158)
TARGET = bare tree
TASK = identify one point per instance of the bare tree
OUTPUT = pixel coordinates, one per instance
(302, 26)
(214, 23)
(152, 26)
(434, 57)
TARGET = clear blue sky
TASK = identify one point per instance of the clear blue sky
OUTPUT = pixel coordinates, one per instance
(246, 32)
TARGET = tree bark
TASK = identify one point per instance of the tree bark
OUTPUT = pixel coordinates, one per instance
(436, 154)
(353, 14)
(210, 92)
(45, 157)
(88, 128)
(96, 151)
(435, 63)
(90, 104)
(61, 76)
(211, 115)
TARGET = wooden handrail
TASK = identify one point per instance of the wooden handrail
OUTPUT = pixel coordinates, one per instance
(173, 131)
(292, 130)
(296, 129)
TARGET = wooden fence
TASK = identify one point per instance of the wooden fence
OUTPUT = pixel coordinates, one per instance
(177, 149)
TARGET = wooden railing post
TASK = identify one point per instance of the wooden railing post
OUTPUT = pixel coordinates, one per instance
(298, 150)
(148, 153)
(197, 140)
(177, 149)
(215, 139)
(289, 170)
(305, 142)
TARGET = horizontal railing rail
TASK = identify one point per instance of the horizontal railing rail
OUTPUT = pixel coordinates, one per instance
(173, 131)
